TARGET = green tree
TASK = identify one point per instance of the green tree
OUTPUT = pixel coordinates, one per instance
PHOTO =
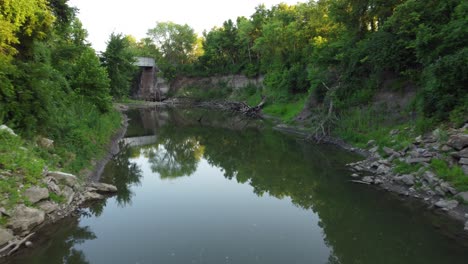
(118, 59)
(176, 42)
(91, 80)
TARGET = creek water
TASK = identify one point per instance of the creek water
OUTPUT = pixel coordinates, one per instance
(199, 186)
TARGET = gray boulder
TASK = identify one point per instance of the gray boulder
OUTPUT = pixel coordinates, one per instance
(68, 193)
(368, 179)
(45, 142)
(418, 160)
(5, 236)
(463, 196)
(48, 206)
(7, 129)
(446, 187)
(25, 218)
(93, 196)
(52, 185)
(430, 177)
(465, 169)
(34, 194)
(458, 142)
(463, 153)
(463, 161)
(65, 178)
(447, 204)
(406, 179)
(103, 187)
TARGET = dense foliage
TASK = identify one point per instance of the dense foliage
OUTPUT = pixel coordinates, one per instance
(52, 84)
(345, 50)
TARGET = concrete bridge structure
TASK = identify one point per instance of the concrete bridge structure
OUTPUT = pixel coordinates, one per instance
(151, 87)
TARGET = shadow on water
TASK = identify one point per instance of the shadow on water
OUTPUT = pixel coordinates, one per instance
(359, 224)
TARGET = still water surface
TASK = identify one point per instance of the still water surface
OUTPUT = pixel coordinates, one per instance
(202, 187)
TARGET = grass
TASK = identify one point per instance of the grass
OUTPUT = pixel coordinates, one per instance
(20, 165)
(56, 198)
(405, 168)
(286, 111)
(452, 174)
(359, 125)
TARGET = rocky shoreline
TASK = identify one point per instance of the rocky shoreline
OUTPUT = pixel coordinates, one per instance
(57, 196)
(423, 184)
(378, 167)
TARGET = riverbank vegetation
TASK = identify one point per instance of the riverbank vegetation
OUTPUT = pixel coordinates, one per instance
(341, 52)
(54, 93)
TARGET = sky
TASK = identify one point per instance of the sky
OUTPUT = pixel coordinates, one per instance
(102, 17)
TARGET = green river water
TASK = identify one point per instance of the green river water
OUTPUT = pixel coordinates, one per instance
(200, 186)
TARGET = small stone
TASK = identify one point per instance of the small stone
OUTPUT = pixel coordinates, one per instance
(34, 194)
(388, 151)
(429, 177)
(417, 160)
(465, 169)
(28, 244)
(52, 186)
(406, 179)
(418, 140)
(5, 236)
(447, 188)
(447, 204)
(8, 130)
(463, 196)
(439, 191)
(370, 143)
(463, 153)
(368, 179)
(374, 149)
(355, 175)
(446, 148)
(458, 142)
(45, 142)
(394, 132)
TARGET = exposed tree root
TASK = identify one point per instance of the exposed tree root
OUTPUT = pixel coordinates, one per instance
(14, 245)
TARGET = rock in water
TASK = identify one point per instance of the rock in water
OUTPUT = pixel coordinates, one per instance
(25, 218)
(5, 236)
(92, 196)
(447, 204)
(103, 187)
(35, 194)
